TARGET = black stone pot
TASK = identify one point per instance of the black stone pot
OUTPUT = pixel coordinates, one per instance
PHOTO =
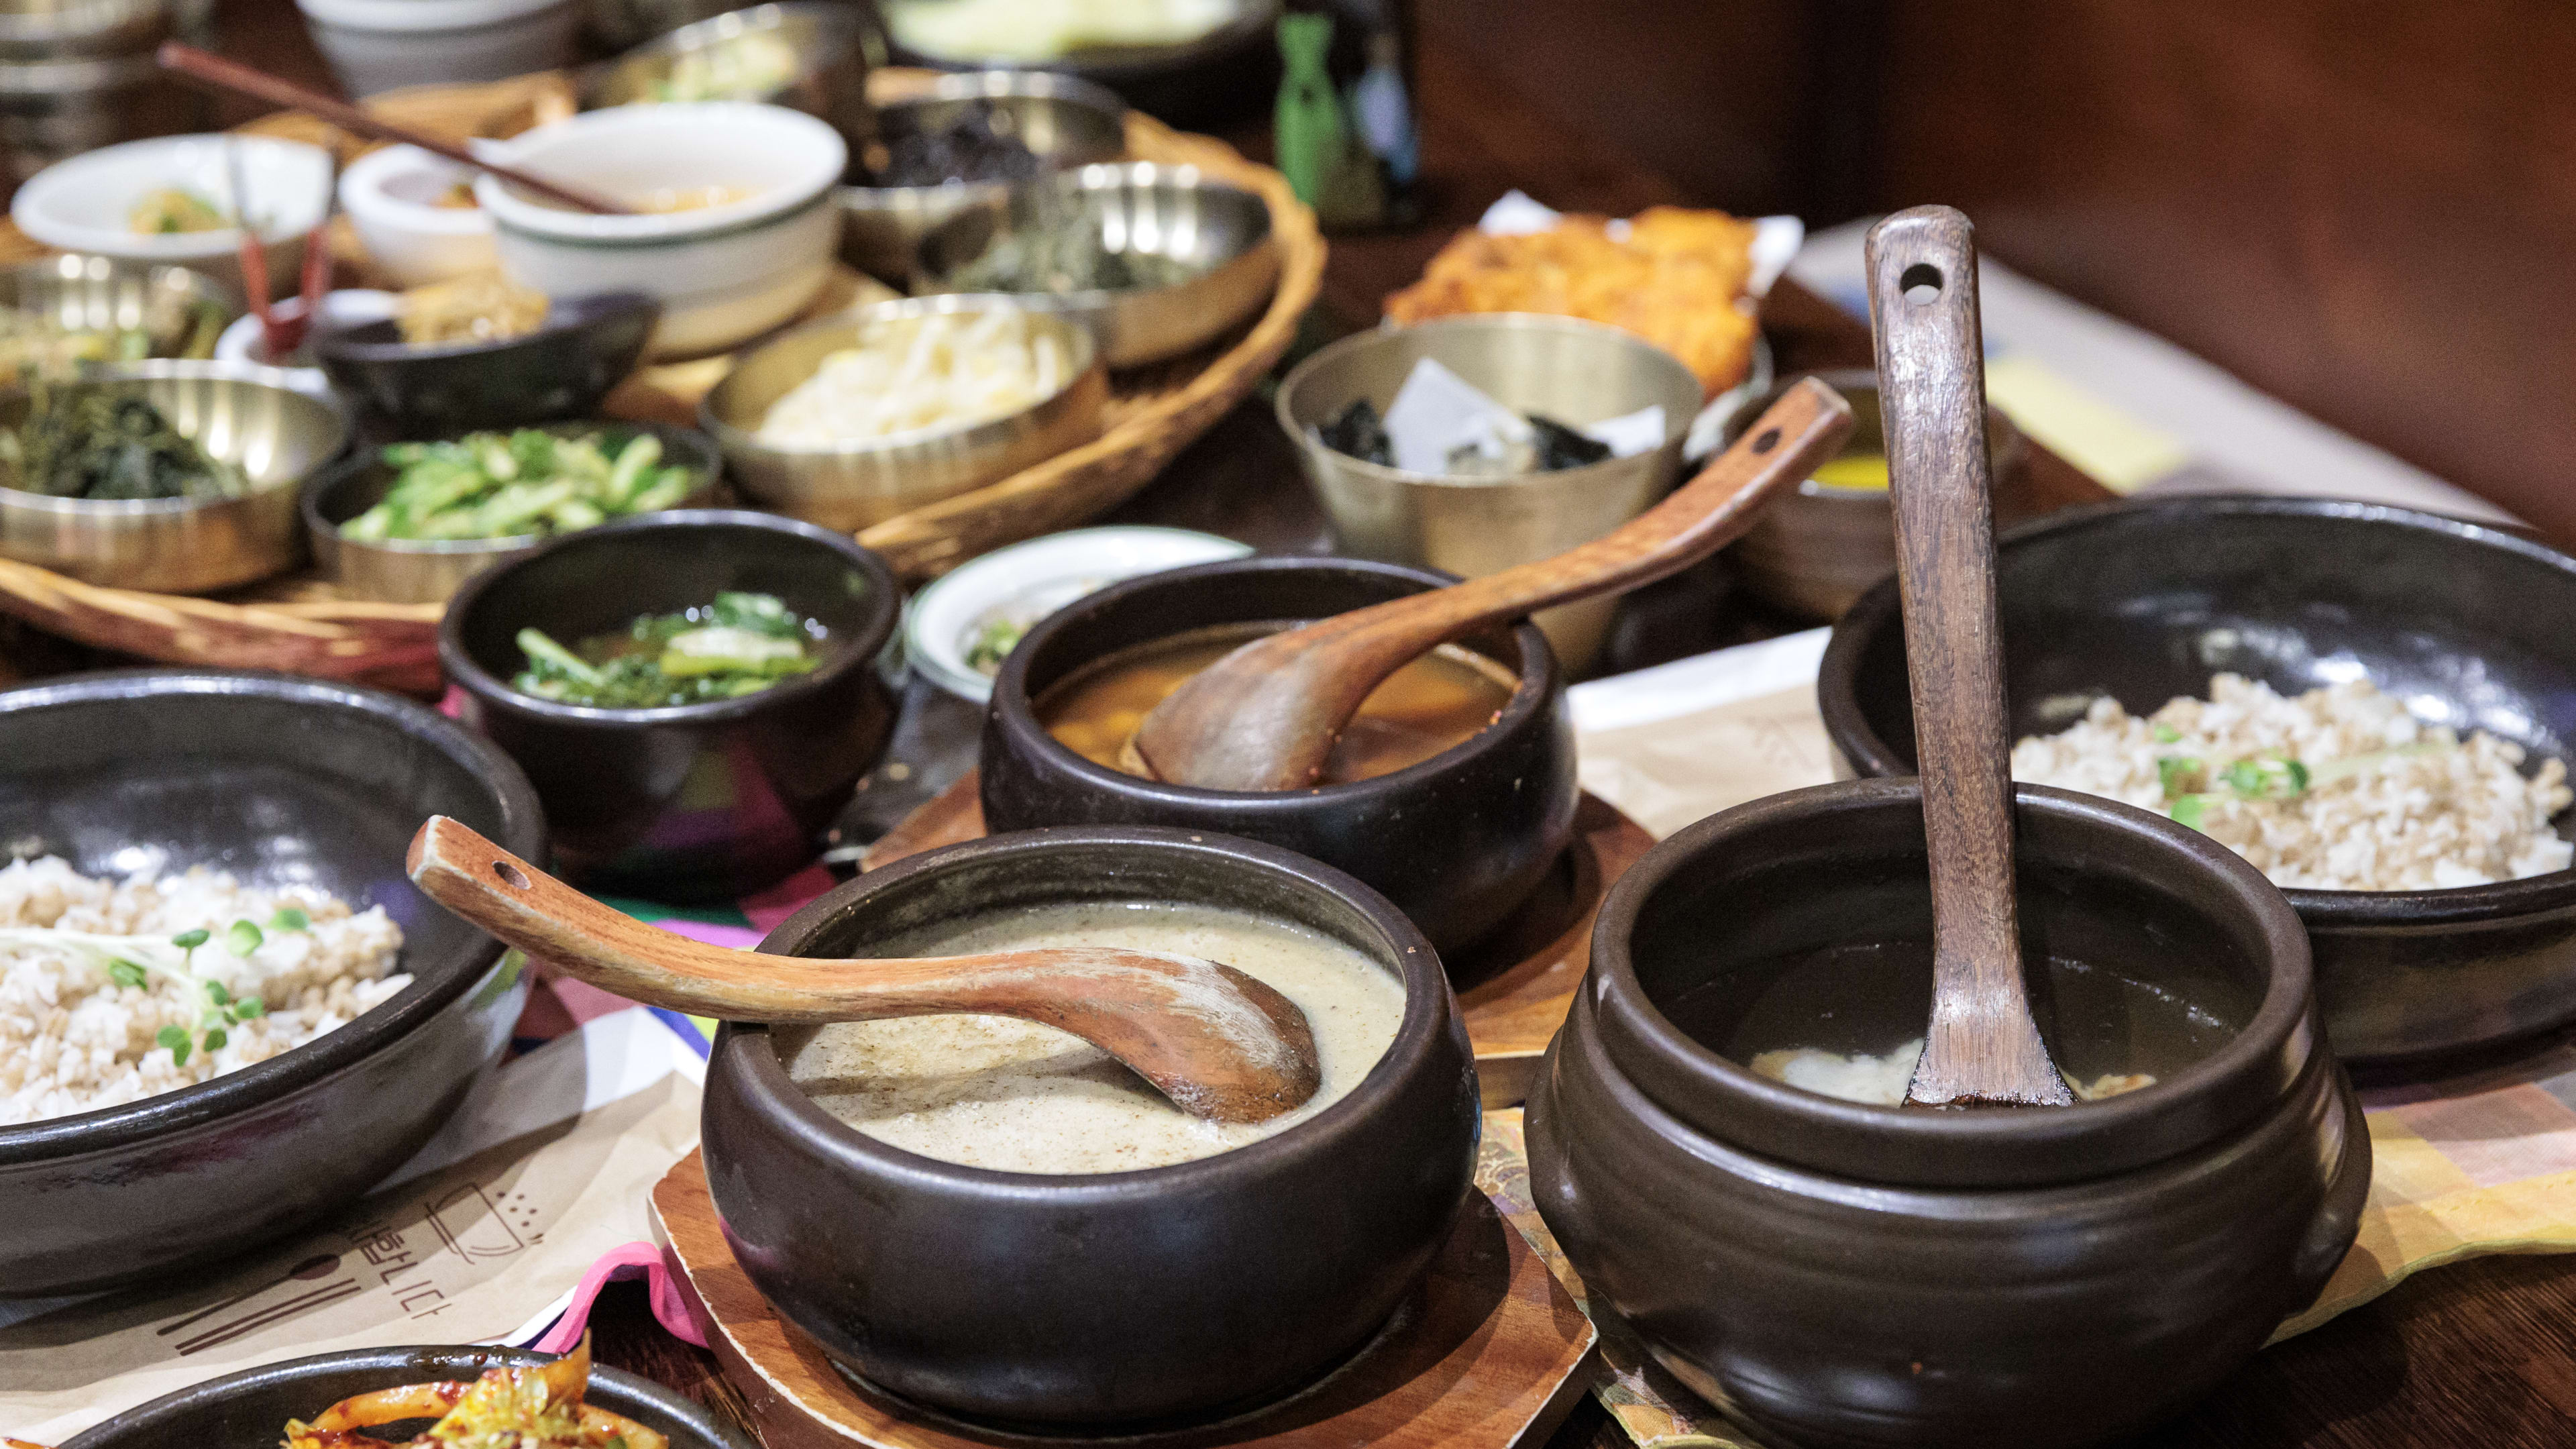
(561, 370)
(700, 801)
(1457, 842)
(2145, 601)
(1110, 1298)
(1860, 1275)
(252, 1407)
(276, 780)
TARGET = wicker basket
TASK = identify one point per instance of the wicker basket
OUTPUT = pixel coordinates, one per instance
(299, 625)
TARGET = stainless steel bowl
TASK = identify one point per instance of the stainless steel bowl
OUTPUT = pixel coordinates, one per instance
(253, 417)
(853, 485)
(625, 24)
(831, 78)
(428, 571)
(1067, 122)
(1575, 372)
(183, 310)
(1136, 207)
(53, 108)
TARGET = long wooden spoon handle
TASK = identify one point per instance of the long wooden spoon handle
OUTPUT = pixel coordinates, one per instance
(230, 75)
(1784, 445)
(1931, 369)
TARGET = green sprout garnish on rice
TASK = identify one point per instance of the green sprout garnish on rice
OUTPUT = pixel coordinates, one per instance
(290, 918)
(2188, 782)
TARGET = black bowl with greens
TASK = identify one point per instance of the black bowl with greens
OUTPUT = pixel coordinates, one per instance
(694, 692)
(409, 523)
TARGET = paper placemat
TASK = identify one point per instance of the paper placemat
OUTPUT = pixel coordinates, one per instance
(2461, 1168)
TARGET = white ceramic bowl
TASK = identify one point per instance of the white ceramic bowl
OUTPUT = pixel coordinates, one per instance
(724, 274)
(391, 196)
(81, 205)
(349, 307)
(380, 45)
(1028, 581)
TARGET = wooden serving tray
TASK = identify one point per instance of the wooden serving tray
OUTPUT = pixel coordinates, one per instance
(1514, 989)
(300, 624)
(1489, 1353)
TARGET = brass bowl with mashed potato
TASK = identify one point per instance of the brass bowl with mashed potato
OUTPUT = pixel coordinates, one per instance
(990, 1218)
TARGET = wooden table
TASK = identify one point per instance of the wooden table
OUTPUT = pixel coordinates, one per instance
(2482, 1354)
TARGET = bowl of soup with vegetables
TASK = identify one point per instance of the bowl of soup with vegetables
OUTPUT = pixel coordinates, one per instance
(1452, 791)
(993, 1218)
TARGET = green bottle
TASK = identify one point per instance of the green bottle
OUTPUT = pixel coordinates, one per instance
(1308, 133)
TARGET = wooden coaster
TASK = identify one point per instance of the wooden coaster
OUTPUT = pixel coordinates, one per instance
(1514, 988)
(1490, 1353)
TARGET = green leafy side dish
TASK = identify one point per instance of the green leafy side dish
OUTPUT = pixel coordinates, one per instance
(527, 483)
(740, 644)
(107, 446)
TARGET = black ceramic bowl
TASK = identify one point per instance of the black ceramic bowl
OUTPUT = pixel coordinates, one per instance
(1114, 1297)
(275, 780)
(561, 370)
(698, 801)
(2145, 601)
(249, 1410)
(1863, 1275)
(1456, 842)
(417, 571)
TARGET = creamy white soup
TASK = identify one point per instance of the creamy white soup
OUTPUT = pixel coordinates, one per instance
(1015, 1096)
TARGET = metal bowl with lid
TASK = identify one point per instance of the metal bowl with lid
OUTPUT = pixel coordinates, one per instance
(252, 417)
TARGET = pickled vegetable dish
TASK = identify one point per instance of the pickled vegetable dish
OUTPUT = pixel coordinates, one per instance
(529, 483)
(97, 444)
(507, 1408)
(740, 644)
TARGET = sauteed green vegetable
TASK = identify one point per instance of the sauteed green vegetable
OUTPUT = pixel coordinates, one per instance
(740, 644)
(531, 482)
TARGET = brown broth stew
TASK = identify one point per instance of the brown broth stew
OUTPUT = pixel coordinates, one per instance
(1442, 699)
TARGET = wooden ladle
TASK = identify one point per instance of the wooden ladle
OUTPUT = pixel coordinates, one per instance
(1982, 1048)
(1219, 1043)
(1266, 716)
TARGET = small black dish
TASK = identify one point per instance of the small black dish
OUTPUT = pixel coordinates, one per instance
(1101, 1299)
(251, 1408)
(274, 779)
(1457, 841)
(699, 801)
(2145, 601)
(586, 346)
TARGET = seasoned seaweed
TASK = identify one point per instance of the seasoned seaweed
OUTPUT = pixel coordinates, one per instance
(104, 446)
(1361, 433)
(1562, 447)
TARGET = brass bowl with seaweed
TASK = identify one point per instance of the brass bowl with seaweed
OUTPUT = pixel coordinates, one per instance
(94, 490)
(74, 313)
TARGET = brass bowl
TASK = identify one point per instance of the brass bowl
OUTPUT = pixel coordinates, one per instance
(429, 571)
(253, 417)
(77, 292)
(830, 81)
(1575, 372)
(851, 485)
(1139, 207)
(1067, 122)
(1816, 550)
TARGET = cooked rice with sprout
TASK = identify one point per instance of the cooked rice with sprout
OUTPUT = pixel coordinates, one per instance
(2338, 789)
(111, 992)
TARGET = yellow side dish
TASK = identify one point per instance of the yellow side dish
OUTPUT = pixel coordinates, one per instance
(1856, 471)
(173, 209)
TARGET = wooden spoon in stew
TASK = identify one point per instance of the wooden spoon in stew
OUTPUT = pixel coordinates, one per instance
(1265, 716)
(1219, 1043)
(1982, 1049)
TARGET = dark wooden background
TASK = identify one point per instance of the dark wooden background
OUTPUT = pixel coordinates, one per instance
(2363, 207)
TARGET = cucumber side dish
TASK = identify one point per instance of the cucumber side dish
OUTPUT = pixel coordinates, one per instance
(522, 484)
(740, 644)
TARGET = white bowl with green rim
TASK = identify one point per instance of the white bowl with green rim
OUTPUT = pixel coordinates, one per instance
(724, 273)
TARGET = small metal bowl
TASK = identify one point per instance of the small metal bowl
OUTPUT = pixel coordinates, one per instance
(253, 417)
(1067, 122)
(1139, 207)
(68, 29)
(852, 485)
(830, 81)
(1218, 75)
(424, 571)
(1816, 550)
(77, 292)
(1576, 372)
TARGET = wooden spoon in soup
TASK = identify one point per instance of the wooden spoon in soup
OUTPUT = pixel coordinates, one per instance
(1219, 1043)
